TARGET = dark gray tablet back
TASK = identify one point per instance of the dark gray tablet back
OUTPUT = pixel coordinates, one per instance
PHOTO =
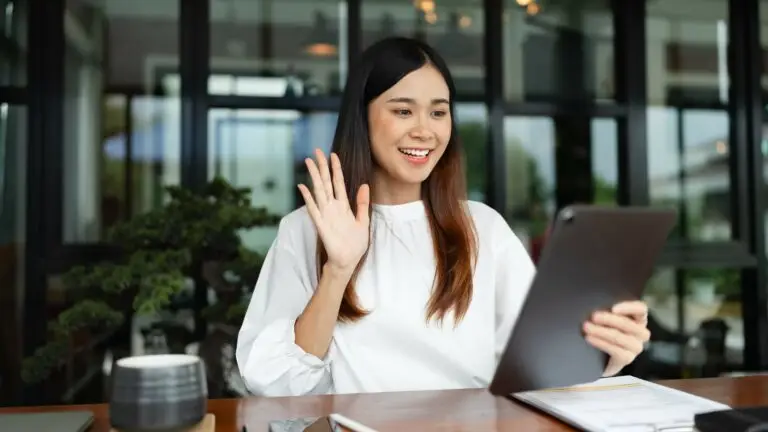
(65, 421)
(594, 258)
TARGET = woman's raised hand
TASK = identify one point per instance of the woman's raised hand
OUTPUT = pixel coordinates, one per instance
(344, 235)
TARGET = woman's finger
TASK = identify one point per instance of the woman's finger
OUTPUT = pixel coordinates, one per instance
(623, 324)
(637, 309)
(615, 337)
(314, 212)
(618, 355)
(321, 197)
(363, 202)
(325, 173)
(339, 189)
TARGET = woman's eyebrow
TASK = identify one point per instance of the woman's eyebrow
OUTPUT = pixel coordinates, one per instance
(407, 100)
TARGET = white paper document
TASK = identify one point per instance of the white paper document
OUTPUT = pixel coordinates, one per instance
(621, 404)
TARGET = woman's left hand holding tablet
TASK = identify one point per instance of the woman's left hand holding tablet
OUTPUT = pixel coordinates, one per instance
(621, 333)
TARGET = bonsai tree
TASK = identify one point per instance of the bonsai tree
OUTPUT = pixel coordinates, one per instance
(195, 236)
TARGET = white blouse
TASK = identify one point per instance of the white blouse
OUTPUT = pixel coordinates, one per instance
(393, 348)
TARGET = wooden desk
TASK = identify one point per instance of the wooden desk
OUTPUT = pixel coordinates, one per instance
(455, 410)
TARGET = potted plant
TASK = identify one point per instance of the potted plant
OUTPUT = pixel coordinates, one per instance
(192, 238)
(702, 284)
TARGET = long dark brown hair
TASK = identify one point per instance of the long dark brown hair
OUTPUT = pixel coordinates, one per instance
(381, 66)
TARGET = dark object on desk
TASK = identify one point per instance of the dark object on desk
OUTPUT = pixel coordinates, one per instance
(753, 419)
(713, 333)
(158, 393)
(73, 421)
(595, 257)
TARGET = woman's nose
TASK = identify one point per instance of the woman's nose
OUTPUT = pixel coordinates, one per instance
(421, 129)
(421, 132)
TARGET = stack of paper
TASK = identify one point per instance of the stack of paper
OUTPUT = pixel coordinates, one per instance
(621, 404)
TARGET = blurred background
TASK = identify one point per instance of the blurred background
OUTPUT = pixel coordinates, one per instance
(129, 128)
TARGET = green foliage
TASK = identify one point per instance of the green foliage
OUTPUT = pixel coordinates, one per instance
(161, 250)
(726, 281)
(474, 138)
(246, 266)
(605, 192)
(537, 198)
(206, 223)
(537, 186)
(226, 312)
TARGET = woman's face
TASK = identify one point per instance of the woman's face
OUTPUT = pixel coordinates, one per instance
(410, 125)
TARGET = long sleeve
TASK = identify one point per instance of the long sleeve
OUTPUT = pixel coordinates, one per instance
(514, 274)
(270, 361)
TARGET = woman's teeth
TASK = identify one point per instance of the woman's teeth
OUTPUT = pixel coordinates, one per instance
(415, 152)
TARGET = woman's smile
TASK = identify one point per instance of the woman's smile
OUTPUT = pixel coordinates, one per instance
(416, 155)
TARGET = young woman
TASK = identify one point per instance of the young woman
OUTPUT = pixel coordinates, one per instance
(418, 290)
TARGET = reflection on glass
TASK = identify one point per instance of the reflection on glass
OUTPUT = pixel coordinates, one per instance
(605, 176)
(533, 171)
(114, 151)
(454, 28)
(243, 85)
(696, 324)
(155, 150)
(147, 144)
(763, 5)
(82, 111)
(265, 150)
(687, 52)
(555, 51)
(13, 162)
(688, 169)
(121, 113)
(530, 151)
(688, 148)
(13, 53)
(299, 45)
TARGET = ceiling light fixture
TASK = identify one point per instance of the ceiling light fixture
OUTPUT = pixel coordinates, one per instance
(321, 41)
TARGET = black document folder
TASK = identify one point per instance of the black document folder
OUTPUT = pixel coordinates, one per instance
(754, 419)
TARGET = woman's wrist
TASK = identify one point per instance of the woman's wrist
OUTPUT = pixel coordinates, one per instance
(338, 273)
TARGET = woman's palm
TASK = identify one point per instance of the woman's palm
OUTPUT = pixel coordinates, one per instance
(344, 235)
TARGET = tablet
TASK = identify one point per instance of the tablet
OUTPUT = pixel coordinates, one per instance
(594, 258)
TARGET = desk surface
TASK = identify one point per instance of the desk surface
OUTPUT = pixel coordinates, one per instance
(455, 410)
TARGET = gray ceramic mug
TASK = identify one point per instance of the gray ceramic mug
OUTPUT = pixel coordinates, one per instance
(158, 393)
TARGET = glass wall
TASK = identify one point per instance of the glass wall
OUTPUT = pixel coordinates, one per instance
(550, 119)
(472, 123)
(265, 150)
(764, 87)
(696, 324)
(120, 146)
(13, 42)
(558, 51)
(454, 28)
(13, 191)
(531, 145)
(122, 112)
(13, 162)
(278, 48)
(697, 312)
(688, 123)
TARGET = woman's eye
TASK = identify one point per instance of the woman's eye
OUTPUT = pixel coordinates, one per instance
(402, 112)
(439, 114)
